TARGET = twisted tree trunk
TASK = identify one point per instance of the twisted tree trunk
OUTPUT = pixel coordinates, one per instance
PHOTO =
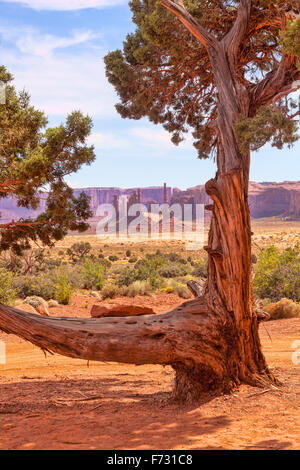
(211, 342)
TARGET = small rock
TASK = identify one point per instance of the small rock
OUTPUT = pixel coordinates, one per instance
(95, 294)
(39, 304)
(43, 310)
(27, 308)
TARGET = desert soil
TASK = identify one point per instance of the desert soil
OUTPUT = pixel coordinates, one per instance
(59, 403)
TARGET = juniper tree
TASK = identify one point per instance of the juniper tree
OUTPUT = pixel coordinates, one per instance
(224, 70)
(34, 161)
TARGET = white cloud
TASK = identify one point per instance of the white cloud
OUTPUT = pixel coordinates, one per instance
(67, 5)
(30, 41)
(108, 141)
(137, 139)
(159, 138)
(60, 83)
(59, 80)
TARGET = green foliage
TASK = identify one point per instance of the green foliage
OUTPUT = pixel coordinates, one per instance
(290, 38)
(173, 270)
(269, 125)
(200, 268)
(178, 288)
(42, 285)
(34, 157)
(8, 293)
(128, 253)
(277, 274)
(63, 289)
(93, 274)
(78, 251)
(164, 73)
(113, 258)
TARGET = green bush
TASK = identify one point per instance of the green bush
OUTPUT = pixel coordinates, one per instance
(128, 253)
(177, 288)
(93, 274)
(42, 285)
(113, 258)
(277, 274)
(63, 289)
(8, 293)
(173, 270)
(78, 251)
(200, 268)
(127, 276)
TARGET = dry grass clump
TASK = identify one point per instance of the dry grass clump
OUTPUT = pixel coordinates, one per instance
(137, 288)
(111, 291)
(285, 308)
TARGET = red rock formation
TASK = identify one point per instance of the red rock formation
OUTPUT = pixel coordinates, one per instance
(265, 199)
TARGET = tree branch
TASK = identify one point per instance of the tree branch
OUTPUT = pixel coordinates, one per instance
(283, 80)
(147, 339)
(234, 37)
(200, 33)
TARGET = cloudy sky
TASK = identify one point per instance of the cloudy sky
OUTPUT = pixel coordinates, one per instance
(55, 50)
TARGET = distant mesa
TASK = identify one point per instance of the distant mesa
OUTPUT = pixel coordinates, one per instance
(266, 199)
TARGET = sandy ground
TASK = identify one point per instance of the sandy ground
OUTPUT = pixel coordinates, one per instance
(59, 403)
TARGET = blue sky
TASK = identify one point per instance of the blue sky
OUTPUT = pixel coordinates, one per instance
(55, 50)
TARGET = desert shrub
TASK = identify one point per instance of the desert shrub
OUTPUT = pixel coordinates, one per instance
(127, 276)
(253, 258)
(64, 289)
(113, 258)
(173, 270)
(133, 259)
(8, 293)
(168, 289)
(128, 253)
(182, 291)
(177, 288)
(137, 288)
(110, 291)
(200, 268)
(173, 257)
(155, 280)
(115, 270)
(42, 285)
(93, 274)
(78, 251)
(277, 274)
(285, 308)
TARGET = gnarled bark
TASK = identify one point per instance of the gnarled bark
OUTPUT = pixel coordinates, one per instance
(211, 342)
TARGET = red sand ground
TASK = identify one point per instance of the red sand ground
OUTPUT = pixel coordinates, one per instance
(61, 403)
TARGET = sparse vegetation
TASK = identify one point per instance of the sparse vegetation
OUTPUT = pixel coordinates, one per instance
(277, 274)
(8, 294)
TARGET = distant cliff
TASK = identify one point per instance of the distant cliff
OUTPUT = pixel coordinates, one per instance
(265, 199)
